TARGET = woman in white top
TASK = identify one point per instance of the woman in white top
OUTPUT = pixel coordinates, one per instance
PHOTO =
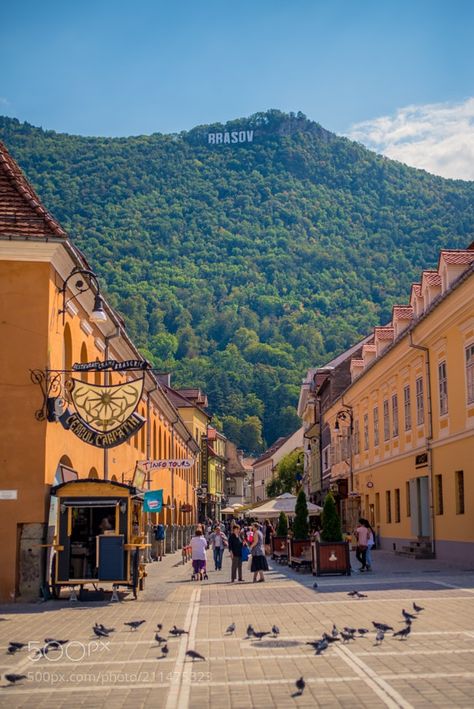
(198, 554)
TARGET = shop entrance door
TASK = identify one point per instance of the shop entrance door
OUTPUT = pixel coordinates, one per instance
(420, 507)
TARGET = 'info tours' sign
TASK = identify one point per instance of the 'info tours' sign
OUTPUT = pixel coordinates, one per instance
(230, 137)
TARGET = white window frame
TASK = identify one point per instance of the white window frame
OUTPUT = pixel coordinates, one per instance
(420, 401)
(443, 388)
(395, 415)
(469, 360)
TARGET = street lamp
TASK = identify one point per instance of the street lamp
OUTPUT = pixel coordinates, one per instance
(82, 286)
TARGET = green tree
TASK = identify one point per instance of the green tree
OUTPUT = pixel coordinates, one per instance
(287, 470)
(251, 434)
(301, 525)
(331, 531)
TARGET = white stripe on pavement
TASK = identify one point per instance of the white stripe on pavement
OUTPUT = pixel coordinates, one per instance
(178, 672)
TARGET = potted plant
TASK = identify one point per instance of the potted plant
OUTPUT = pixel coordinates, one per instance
(299, 545)
(278, 540)
(331, 554)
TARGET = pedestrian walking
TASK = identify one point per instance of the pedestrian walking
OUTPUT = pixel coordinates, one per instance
(269, 532)
(198, 554)
(362, 534)
(235, 549)
(160, 535)
(218, 542)
(259, 561)
(370, 546)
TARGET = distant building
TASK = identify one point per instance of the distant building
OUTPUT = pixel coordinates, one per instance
(264, 466)
(237, 482)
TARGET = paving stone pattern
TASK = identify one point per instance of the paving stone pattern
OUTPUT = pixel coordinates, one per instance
(433, 667)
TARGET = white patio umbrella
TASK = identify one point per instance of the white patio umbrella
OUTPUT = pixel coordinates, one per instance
(283, 503)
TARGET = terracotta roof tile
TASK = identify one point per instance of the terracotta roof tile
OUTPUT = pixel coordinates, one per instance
(416, 289)
(369, 348)
(21, 211)
(384, 333)
(357, 362)
(402, 312)
(457, 257)
(432, 278)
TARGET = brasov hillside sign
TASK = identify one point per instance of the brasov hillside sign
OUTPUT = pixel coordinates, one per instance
(230, 137)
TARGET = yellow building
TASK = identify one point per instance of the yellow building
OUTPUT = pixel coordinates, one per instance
(49, 323)
(403, 431)
(217, 468)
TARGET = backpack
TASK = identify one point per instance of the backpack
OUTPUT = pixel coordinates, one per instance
(159, 533)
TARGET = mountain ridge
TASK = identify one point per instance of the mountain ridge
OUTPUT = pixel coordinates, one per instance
(237, 266)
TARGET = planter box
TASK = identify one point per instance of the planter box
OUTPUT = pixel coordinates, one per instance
(299, 553)
(279, 548)
(330, 558)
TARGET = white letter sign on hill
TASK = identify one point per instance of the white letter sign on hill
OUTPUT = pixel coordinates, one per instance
(232, 137)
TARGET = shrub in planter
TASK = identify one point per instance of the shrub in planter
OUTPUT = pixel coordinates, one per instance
(331, 531)
(301, 525)
(282, 526)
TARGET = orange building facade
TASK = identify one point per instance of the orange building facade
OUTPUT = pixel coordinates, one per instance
(39, 346)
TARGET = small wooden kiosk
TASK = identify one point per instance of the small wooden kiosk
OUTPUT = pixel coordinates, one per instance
(97, 532)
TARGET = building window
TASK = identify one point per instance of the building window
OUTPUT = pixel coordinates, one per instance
(395, 415)
(443, 389)
(376, 426)
(459, 492)
(407, 407)
(356, 438)
(408, 500)
(386, 421)
(420, 407)
(366, 432)
(439, 494)
(397, 505)
(377, 506)
(388, 506)
(326, 459)
(470, 373)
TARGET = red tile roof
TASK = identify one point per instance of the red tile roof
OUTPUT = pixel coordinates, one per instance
(357, 362)
(461, 258)
(384, 333)
(416, 290)
(432, 278)
(21, 211)
(402, 312)
(369, 348)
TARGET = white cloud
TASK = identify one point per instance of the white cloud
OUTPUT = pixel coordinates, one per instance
(436, 137)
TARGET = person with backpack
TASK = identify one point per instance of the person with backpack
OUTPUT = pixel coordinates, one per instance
(236, 548)
(160, 535)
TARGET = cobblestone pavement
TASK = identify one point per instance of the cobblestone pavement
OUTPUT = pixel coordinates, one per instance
(433, 667)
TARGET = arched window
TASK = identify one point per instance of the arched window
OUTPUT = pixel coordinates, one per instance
(67, 357)
(160, 448)
(154, 440)
(114, 479)
(142, 433)
(93, 474)
(84, 360)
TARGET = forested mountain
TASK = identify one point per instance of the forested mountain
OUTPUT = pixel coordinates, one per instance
(237, 265)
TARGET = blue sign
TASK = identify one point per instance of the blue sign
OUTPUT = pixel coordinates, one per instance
(153, 501)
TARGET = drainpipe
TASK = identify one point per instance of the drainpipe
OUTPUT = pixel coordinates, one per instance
(429, 438)
(108, 338)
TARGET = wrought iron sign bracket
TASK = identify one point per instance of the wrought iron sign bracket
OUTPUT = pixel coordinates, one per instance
(50, 385)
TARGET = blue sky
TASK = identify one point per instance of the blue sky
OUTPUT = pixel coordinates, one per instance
(119, 68)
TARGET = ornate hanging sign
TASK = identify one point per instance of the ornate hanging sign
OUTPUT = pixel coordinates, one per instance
(105, 416)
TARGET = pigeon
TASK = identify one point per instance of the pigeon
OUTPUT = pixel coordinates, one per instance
(13, 679)
(408, 616)
(417, 609)
(322, 646)
(300, 685)
(260, 634)
(334, 631)
(55, 644)
(43, 651)
(17, 646)
(382, 626)
(250, 631)
(275, 630)
(134, 624)
(159, 639)
(159, 626)
(177, 631)
(353, 593)
(194, 655)
(403, 633)
(12, 649)
(346, 636)
(165, 651)
(231, 628)
(362, 631)
(315, 585)
(351, 631)
(99, 632)
(102, 627)
(330, 638)
(379, 637)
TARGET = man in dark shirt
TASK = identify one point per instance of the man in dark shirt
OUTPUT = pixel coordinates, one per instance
(235, 548)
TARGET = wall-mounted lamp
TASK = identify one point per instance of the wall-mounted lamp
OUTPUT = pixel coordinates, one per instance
(82, 285)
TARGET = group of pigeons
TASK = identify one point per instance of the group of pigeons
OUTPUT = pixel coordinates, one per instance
(345, 635)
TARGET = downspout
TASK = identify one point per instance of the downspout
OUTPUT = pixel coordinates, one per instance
(429, 438)
(108, 338)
